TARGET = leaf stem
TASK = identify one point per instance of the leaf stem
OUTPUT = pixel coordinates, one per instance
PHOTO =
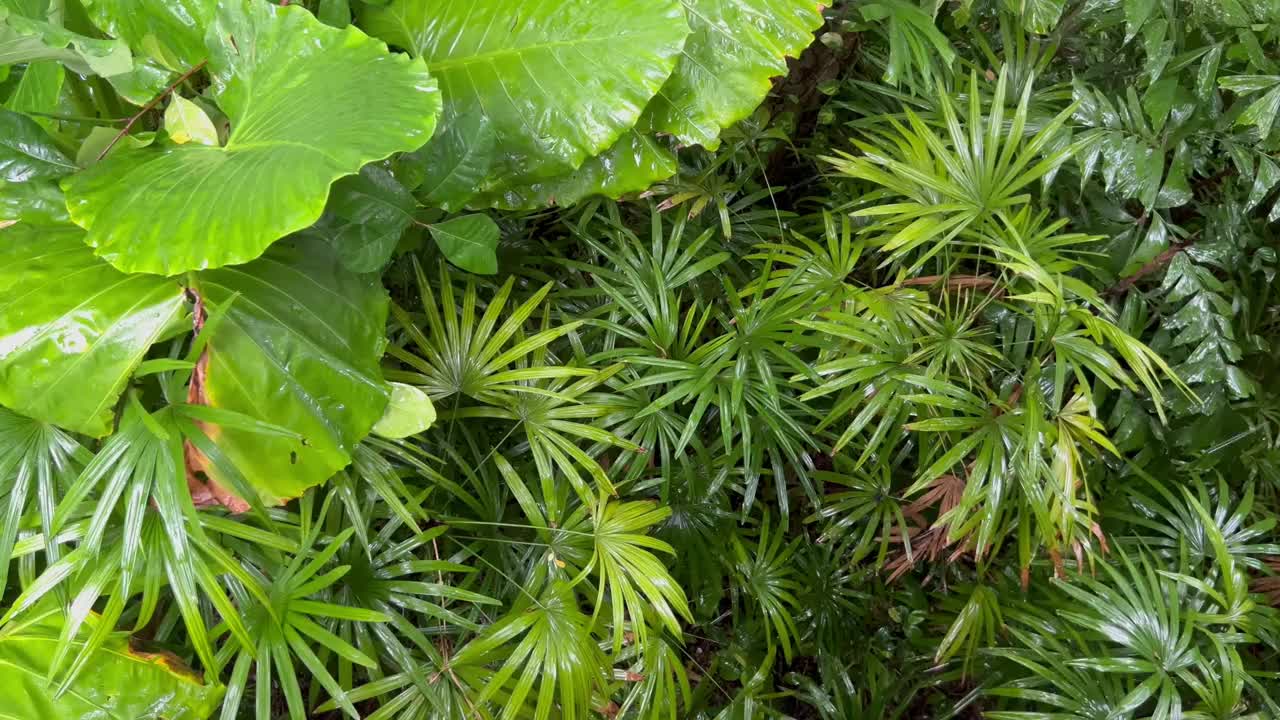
(76, 118)
(149, 106)
(1156, 263)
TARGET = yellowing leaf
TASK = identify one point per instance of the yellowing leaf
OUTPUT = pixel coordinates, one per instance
(187, 122)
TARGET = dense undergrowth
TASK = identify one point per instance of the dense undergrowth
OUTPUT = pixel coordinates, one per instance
(933, 378)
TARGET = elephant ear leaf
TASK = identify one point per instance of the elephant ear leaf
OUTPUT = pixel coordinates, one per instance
(724, 71)
(557, 82)
(297, 344)
(73, 328)
(124, 685)
(736, 48)
(308, 104)
(170, 31)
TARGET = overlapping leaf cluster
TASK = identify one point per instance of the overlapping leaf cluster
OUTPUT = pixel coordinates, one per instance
(938, 385)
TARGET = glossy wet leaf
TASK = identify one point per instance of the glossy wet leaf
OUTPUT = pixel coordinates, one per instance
(370, 211)
(735, 49)
(299, 348)
(553, 651)
(36, 459)
(1038, 16)
(25, 40)
(34, 202)
(456, 161)
(308, 104)
(169, 31)
(633, 164)
(38, 89)
(125, 684)
(73, 328)
(470, 242)
(27, 152)
(557, 81)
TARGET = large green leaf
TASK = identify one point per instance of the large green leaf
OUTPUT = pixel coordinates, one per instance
(34, 202)
(308, 104)
(470, 242)
(455, 162)
(736, 47)
(27, 152)
(39, 89)
(124, 684)
(73, 328)
(724, 72)
(558, 81)
(299, 347)
(170, 31)
(635, 163)
(368, 213)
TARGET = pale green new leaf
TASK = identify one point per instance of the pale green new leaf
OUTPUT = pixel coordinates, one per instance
(409, 412)
(186, 122)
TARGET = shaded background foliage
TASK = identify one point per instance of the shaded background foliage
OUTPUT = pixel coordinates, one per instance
(932, 379)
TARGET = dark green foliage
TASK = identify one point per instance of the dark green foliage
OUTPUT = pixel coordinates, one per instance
(934, 382)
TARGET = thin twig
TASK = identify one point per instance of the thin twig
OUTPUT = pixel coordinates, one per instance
(1155, 264)
(76, 118)
(149, 106)
(953, 282)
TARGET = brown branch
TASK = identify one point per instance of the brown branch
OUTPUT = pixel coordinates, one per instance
(953, 282)
(1155, 264)
(149, 107)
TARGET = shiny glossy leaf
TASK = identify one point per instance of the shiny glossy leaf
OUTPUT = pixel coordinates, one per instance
(38, 89)
(470, 242)
(736, 47)
(635, 163)
(27, 152)
(456, 161)
(24, 40)
(370, 211)
(307, 103)
(73, 328)
(558, 81)
(298, 348)
(125, 684)
(169, 31)
(34, 203)
(1038, 16)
